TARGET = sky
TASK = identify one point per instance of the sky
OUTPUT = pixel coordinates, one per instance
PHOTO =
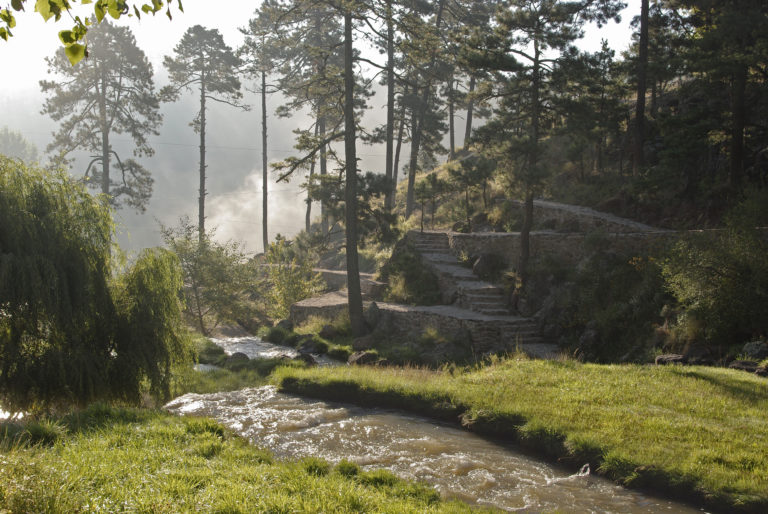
(234, 140)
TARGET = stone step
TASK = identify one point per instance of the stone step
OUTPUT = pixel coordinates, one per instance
(455, 271)
(444, 258)
(489, 297)
(476, 286)
(433, 249)
(425, 247)
(492, 312)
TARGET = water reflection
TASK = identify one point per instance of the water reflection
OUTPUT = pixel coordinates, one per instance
(457, 463)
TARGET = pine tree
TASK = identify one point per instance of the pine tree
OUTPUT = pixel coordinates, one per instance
(111, 92)
(522, 53)
(202, 60)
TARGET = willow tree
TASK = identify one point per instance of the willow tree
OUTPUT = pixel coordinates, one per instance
(203, 61)
(111, 92)
(73, 328)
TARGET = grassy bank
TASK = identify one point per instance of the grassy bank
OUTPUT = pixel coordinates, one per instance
(695, 432)
(106, 459)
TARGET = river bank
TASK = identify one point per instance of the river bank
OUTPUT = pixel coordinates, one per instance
(695, 433)
(136, 460)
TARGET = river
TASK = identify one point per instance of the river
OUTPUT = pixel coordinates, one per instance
(459, 464)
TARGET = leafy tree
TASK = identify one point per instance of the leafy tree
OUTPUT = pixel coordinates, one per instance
(720, 279)
(72, 329)
(203, 60)
(112, 92)
(289, 280)
(13, 144)
(218, 281)
(73, 40)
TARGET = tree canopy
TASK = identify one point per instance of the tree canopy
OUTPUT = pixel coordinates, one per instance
(74, 326)
(112, 92)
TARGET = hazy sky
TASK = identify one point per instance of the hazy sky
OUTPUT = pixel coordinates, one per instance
(234, 141)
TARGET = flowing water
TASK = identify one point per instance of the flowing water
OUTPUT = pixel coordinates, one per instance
(457, 463)
(255, 348)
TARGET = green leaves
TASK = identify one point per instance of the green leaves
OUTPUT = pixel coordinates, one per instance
(75, 52)
(74, 39)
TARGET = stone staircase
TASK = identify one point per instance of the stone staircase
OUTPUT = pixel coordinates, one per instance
(495, 328)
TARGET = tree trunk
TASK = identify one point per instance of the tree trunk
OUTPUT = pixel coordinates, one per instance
(308, 217)
(264, 164)
(470, 111)
(418, 124)
(642, 67)
(533, 162)
(201, 199)
(398, 147)
(451, 124)
(354, 295)
(412, 163)
(323, 172)
(738, 123)
(389, 199)
(105, 155)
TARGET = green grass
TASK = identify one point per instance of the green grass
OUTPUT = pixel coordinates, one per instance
(695, 432)
(147, 461)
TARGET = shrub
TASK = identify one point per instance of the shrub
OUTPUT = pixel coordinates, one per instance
(409, 280)
(720, 279)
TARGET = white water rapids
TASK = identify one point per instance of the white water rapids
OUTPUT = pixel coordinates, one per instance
(457, 463)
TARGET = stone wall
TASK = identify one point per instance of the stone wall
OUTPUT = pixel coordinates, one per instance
(336, 280)
(574, 218)
(482, 333)
(566, 247)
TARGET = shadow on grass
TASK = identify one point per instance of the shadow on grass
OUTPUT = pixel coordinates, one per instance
(738, 388)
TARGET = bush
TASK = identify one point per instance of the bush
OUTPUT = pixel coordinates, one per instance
(72, 330)
(720, 279)
(290, 280)
(409, 281)
(218, 280)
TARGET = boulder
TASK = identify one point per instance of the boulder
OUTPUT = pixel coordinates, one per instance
(361, 358)
(312, 345)
(748, 366)
(328, 332)
(236, 358)
(762, 371)
(670, 358)
(756, 350)
(306, 358)
(285, 324)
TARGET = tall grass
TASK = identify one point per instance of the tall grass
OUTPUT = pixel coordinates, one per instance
(147, 461)
(696, 432)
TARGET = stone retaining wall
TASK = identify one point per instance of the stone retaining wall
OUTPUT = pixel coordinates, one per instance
(566, 247)
(482, 333)
(574, 218)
